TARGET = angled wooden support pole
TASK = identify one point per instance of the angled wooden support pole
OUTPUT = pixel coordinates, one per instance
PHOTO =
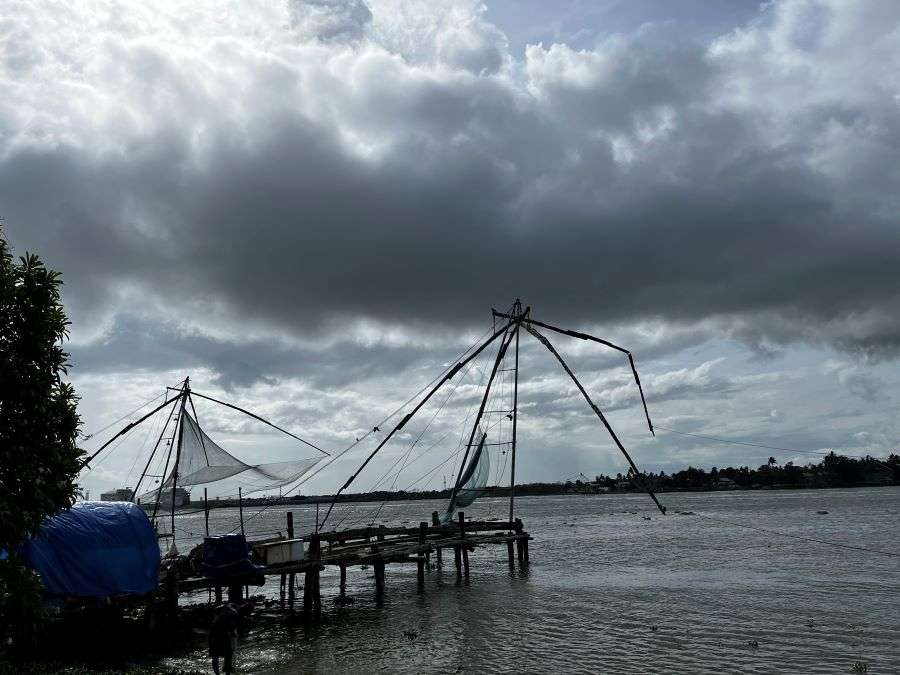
(531, 329)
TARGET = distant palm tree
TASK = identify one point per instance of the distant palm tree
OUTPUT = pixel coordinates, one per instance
(772, 461)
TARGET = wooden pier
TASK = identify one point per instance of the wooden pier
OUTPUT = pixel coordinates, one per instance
(377, 547)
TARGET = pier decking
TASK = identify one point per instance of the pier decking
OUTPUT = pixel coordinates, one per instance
(377, 547)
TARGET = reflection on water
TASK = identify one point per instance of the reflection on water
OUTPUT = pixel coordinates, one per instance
(608, 591)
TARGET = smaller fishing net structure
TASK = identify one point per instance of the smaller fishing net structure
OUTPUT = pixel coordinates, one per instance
(201, 460)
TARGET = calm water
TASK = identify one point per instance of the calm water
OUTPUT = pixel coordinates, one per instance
(608, 591)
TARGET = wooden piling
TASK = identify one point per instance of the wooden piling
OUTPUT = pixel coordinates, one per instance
(423, 528)
(509, 552)
(379, 566)
(436, 522)
(343, 580)
(172, 594)
(312, 599)
(206, 510)
(460, 551)
(520, 549)
(291, 579)
(241, 509)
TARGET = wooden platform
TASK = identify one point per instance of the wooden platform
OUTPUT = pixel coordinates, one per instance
(376, 547)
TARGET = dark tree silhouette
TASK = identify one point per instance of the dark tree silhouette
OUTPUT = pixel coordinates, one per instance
(39, 457)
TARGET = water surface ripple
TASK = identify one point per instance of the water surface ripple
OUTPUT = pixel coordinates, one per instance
(609, 591)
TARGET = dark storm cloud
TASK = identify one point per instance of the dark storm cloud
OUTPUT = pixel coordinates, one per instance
(132, 344)
(641, 180)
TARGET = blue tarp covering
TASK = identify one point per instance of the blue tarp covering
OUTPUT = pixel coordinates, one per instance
(96, 549)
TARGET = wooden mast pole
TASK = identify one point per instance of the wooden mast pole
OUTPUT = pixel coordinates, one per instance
(166, 466)
(184, 397)
(515, 413)
(504, 346)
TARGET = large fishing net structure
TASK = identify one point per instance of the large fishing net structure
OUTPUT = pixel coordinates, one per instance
(481, 390)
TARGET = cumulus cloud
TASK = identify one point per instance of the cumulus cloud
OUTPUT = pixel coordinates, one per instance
(290, 163)
(230, 185)
(867, 386)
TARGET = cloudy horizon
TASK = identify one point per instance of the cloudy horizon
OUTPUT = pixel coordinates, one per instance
(310, 207)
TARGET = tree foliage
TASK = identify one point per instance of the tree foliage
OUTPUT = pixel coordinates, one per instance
(39, 457)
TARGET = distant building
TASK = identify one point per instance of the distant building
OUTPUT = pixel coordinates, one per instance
(182, 498)
(725, 482)
(125, 494)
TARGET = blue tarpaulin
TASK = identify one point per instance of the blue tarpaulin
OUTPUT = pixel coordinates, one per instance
(96, 549)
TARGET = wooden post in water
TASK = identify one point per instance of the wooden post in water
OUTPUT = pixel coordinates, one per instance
(312, 600)
(291, 580)
(241, 509)
(343, 580)
(509, 551)
(436, 522)
(462, 548)
(520, 550)
(172, 595)
(206, 510)
(423, 528)
(378, 566)
(317, 593)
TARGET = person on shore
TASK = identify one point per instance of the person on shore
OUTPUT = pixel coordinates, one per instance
(223, 637)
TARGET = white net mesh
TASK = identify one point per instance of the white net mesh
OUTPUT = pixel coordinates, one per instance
(473, 480)
(203, 461)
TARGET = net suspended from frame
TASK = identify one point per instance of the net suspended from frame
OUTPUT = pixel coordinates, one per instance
(472, 482)
(203, 461)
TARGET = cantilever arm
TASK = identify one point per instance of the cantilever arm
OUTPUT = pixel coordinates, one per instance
(264, 421)
(402, 423)
(585, 336)
(126, 429)
(597, 410)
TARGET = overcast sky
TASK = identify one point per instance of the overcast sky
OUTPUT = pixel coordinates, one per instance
(311, 207)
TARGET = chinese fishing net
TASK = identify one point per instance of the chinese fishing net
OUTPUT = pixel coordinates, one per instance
(202, 460)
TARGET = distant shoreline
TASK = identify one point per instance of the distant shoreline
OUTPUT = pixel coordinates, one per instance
(527, 490)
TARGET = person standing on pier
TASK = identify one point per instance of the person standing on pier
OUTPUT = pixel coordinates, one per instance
(223, 637)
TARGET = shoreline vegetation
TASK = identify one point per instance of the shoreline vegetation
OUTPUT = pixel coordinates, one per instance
(833, 471)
